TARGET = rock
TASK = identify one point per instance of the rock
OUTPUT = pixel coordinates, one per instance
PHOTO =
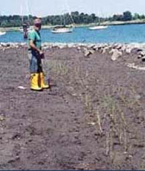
(116, 55)
(137, 97)
(128, 50)
(7, 45)
(114, 46)
(95, 47)
(2, 118)
(142, 53)
(91, 46)
(3, 49)
(105, 49)
(79, 48)
(45, 47)
(23, 44)
(119, 46)
(111, 51)
(123, 48)
(132, 65)
(71, 45)
(136, 50)
(88, 52)
(63, 46)
(143, 59)
(3, 44)
(92, 51)
(139, 57)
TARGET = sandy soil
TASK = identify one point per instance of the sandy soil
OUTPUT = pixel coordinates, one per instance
(93, 117)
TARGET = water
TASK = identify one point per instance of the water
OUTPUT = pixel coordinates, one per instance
(113, 34)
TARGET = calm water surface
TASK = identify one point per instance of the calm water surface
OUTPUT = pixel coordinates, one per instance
(118, 34)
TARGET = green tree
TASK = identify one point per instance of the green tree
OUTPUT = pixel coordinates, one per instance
(117, 17)
(136, 16)
(127, 16)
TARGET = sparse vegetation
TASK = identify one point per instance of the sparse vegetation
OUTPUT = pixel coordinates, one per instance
(92, 119)
(107, 110)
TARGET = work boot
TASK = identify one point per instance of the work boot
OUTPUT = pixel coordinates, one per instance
(42, 82)
(35, 82)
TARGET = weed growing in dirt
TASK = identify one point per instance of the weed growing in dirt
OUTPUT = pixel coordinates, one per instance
(107, 107)
(57, 67)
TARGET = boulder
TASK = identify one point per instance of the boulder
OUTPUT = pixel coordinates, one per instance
(92, 51)
(136, 50)
(104, 50)
(119, 46)
(70, 45)
(96, 47)
(143, 59)
(79, 48)
(90, 46)
(128, 50)
(116, 54)
(111, 51)
(141, 55)
(88, 52)
(123, 48)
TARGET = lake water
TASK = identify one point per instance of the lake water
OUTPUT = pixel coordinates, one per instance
(113, 34)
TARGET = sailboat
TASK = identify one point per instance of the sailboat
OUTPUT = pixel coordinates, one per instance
(25, 28)
(2, 33)
(99, 27)
(63, 28)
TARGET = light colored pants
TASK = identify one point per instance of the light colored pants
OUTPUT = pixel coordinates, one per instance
(35, 62)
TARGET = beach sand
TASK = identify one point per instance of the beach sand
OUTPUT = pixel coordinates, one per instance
(92, 118)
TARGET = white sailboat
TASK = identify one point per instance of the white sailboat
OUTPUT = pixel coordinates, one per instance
(63, 28)
(2, 33)
(25, 28)
(98, 27)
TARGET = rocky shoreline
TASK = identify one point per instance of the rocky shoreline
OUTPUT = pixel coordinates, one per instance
(116, 50)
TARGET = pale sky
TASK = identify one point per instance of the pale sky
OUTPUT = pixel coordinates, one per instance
(51, 7)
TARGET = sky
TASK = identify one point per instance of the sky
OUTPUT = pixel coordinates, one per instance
(52, 7)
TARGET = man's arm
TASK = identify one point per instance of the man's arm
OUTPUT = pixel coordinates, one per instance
(32, 45)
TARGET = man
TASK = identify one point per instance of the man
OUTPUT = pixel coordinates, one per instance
(36, 54)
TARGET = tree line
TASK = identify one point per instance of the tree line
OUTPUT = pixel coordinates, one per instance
(66, 19)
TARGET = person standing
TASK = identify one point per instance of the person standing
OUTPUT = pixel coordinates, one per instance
(35, 56)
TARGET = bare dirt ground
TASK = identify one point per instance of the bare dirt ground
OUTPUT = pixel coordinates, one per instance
(93, 117)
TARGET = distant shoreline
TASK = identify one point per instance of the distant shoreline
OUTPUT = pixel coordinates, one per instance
(107, 23)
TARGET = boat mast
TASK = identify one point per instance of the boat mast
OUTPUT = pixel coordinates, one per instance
(69, 11)
(22, 14)
(28, 11)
